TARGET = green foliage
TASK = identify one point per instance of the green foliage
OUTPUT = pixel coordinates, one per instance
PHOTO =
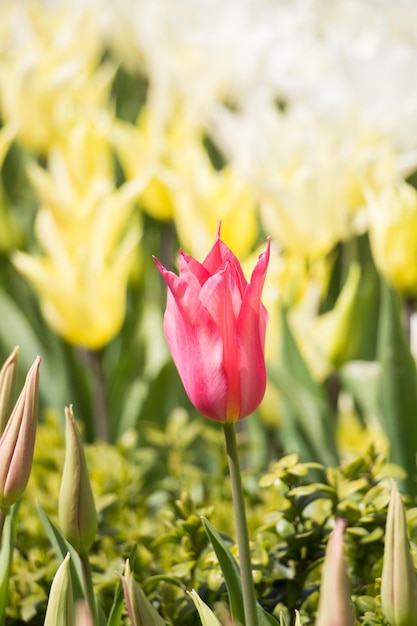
(152, 494)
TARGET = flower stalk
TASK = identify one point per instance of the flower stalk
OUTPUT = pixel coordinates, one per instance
(248, 588)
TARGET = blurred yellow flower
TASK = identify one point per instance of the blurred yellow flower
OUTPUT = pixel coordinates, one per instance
(85, 229)
(153, 146)
(50, 69)
(83, 294)
(393, 235)
(183, 184)
(317, 198)
(203, 196)
(324, 340)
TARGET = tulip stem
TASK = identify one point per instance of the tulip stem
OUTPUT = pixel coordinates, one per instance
(88, 586)
(248, 588)
(3, 513)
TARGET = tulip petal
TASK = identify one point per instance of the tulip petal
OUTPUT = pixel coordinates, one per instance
(221, 296)
(251, 329)
(195, 344)
(190, 264)
(217, 258)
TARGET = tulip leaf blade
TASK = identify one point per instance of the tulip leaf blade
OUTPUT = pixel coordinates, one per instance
(6, 557)
(207, 616)
(116, 610)
(231, 575)
(62, 547)
(307, 426)
(397, 388)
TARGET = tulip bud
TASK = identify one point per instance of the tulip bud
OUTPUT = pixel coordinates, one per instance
(398, 581)
(60, 608)
(140, 610)
(83, 614)
(8, 375)
(18, 441)
(334, 605)
(76, 508)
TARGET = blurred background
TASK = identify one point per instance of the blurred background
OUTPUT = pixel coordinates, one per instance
(131, 129)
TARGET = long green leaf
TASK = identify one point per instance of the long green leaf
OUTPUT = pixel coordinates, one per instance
(62, 547)
(16, 330)
(231, 575)
(307, 428)
(206, 614)
(397, 388)
(6, 557)
(116, 610)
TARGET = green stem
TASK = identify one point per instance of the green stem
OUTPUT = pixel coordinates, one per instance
(3, 513)
(248, 588)
(88, 586)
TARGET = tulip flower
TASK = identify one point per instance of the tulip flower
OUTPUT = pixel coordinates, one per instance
(334, 605)
(141, 611)
(51, 75)
(8, 375)
(398, 580)
(18, 440)
(215, 326)
(393, 235)
(60, 608)
(77, 512)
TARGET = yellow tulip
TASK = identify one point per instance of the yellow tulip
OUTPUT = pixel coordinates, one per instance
(312, 191)
(153, 147)
(203, 196)
(324, 339)
(83, 295)
(393, 235)
(167, 147)
(87, 235)
(49, 69)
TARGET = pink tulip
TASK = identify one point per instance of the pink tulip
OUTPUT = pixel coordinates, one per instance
(215, 327)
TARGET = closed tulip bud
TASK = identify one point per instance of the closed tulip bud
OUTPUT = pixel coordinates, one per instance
(140, 610)
(215, 326)
(77, 511)
(8, 375)
(60, 608)
(334, 605)
(83, 615)
(18, 441)
(398, 581)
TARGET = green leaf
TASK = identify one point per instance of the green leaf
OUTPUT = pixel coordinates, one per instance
(16, 330)
(206, 614)
(231, 575)
(6, 557)
(62, 547)
(116, 610)
(307, 427)
(397, 388)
